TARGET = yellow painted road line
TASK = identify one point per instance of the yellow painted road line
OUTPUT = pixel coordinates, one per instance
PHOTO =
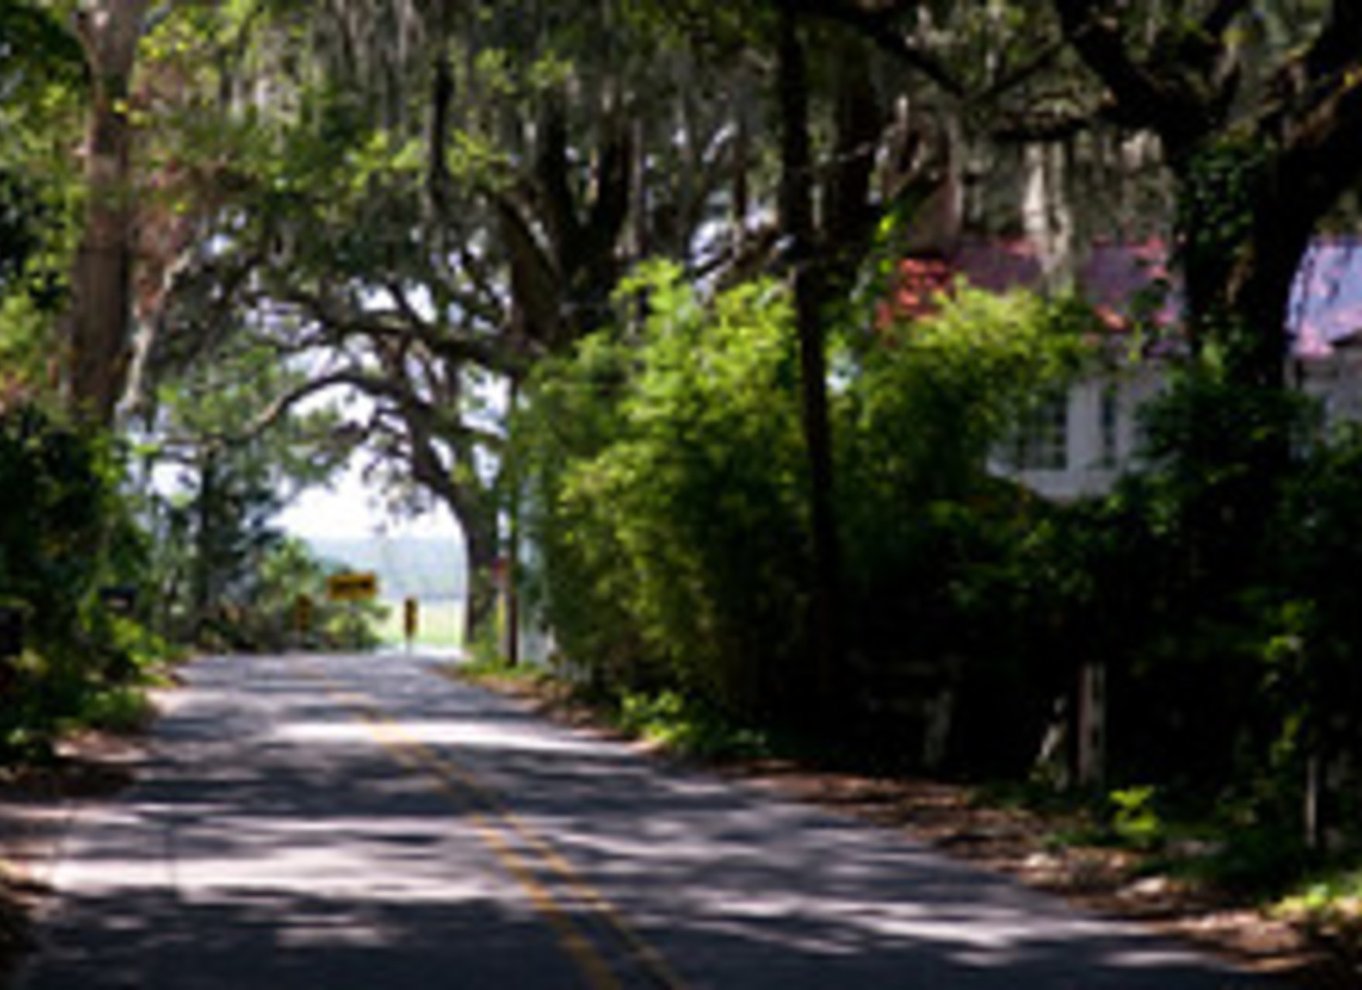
(582, 952)
(454, 775)
(409, 753)
(648, 957)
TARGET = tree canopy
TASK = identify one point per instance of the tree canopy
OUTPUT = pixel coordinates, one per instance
(612, 279)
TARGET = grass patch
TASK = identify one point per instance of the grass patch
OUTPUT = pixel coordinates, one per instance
(688, 728)
(439, 624)
(1211, 849)
(1328, 903)
(668, 719)
(124, 709)
(489, 666)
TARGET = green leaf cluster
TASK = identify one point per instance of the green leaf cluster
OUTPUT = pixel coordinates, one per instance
(667, 481)
(664, 466)
(65, 533)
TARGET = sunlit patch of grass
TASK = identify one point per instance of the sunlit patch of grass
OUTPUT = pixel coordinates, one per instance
(688, 728)
(438, 625)
(492, 666)
(124, 709)
(1330, 902)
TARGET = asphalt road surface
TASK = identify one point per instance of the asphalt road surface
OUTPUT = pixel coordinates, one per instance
(360, 822)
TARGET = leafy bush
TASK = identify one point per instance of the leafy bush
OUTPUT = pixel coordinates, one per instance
(664, 465)
(686, 727)
(949, 566)
(262, 614)
(667, 489)
(58, 494)
(1134, 818)
(64, 534)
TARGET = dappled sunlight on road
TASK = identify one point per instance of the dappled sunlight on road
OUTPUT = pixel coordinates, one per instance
(341, 822)
(443, 733)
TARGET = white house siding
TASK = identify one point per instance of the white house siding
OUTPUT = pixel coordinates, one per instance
(1334, 380)
(1092, 462)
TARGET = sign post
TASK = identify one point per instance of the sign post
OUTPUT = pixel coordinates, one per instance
(411, 620)
(302, 615)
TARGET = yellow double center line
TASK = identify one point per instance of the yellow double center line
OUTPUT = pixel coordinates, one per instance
(495, 825)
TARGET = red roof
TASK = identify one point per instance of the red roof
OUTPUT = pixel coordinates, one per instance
(1110, 278)
(1326, 301)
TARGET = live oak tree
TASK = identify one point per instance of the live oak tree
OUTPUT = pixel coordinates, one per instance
(203, 425)
(1255, 106)
(98, 332)
(435, 214)
(42, 79)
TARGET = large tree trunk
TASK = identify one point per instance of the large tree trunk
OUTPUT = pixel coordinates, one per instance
(100, 318)
(796, 209)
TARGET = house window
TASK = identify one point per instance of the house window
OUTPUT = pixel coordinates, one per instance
(1041, 442)
(1108, 426)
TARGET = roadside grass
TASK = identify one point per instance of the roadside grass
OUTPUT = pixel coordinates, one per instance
(1133, 851)
(438, 624)
(124, 709)
(1221, 855)
(1329, 906)
(668, 720)
(687, 728)
(485, 666)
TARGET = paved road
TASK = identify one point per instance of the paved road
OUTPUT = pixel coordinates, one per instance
(338, 822)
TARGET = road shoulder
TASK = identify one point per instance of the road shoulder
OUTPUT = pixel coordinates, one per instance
(37, 805)
(1004, 840)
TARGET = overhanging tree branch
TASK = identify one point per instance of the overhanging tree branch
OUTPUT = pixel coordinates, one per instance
(879, 24)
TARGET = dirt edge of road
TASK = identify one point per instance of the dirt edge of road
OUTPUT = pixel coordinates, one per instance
(36, 805)
(1013, 841)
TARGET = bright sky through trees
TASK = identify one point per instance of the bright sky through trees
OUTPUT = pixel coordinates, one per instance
(350, 509)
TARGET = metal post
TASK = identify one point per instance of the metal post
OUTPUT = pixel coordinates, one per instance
(410, 621)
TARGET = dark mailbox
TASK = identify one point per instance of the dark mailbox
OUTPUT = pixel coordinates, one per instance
(120, 599)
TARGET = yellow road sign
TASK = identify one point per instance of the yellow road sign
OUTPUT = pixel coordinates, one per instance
(359, 586)
(410, 617)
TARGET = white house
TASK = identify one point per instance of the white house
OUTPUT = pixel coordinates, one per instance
(1078, 443)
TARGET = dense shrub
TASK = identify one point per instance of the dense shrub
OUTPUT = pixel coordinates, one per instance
(665, 467)
(57, 495)
(664, 472)
(953, 574)
(64, 534)
(667, 488)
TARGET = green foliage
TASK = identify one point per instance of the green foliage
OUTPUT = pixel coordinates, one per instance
(934, 396)
(1315, 656)
(121, 708)
(685, 727)
(948, 566)
(664, 465)
(1328, 903)
(665, 469)
(216, 543)
(58, 491)
(1261, 862)
(260, 614)
(1135, 819)
(1187, 580)
(64, 534)
(42, 82)
(495, 666)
